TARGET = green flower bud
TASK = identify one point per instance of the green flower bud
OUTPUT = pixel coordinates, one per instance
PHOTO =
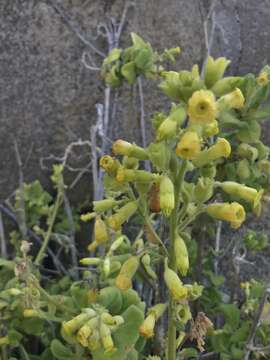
(146, 261)
(226, 85)
(167, 201)
(194, 291)
(104, 205)
(246, 151)
(107, 266)
(130, 175)
(204, 189)
(121, 147)
(208, 171)
(263, 151)
(221, 148)
(171, 85)
(130, 162)
(122, 215)
(174, 284)
(214, 70)
(106, 338)
(181, 255)
(243, 170)
(90, 261)
(159, 155)
(167, 129)
(158, 310)
(127, 272)
(210, 129)
(74, 324)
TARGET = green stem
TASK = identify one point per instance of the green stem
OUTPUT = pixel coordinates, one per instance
(25, 355)
(172, 264)
(47, 237)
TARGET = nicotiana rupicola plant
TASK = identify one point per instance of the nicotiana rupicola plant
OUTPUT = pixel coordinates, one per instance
(206, 161)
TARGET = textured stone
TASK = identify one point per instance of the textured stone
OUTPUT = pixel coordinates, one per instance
(48, 98)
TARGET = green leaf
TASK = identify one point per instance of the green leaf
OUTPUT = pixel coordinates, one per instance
(129, 73)
(111, 298)
(144, 59)
(61, 351)
(99, 354)
(32, 326)
(215, 279)
(188, 353)
(128, 333)
(263, 114)
(258, 97)
(231, 314)
(137, 41)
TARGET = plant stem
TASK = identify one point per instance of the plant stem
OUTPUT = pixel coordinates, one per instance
(172, 264)
(44, 245)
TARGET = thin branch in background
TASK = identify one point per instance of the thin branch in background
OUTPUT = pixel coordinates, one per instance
(88, 62)
(217, 245)
(209, 35)
(21, 209)
(142, 113)
(72, 232)
(256, 324)
(3, 243)
(74, 28)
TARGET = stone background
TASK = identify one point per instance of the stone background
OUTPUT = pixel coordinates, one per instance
(48, 97)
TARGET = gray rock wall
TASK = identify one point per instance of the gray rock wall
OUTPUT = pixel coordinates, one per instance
(47, 96)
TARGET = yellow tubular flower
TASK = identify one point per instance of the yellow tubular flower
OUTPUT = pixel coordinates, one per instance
(231, 212)
(127, 272)
(131, 175)
(244, 192)
(100, 231)
(166, 194)
(147, 327)
(106, 338)
(234, 99)
(221, 148)
(108, 163)
(263, 78)
(181, 255)
(74, 324)
(189, 145)
(202, 107)
(122, 215)
(174, 284)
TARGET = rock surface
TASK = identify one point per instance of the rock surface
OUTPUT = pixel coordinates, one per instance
(48, 97)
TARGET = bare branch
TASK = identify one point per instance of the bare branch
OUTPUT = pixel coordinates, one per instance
(74, 28)
(85, 60)
(256, 324)
(21, 209)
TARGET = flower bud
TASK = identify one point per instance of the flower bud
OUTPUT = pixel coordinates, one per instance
(121, 147)
(233, 100)
(146, 261)
(244, 192)
(214, 70)
(246, 151)
(94, 340)
(264, 166)
(116, 244)
(159, 155)
(86, 330)
(202, 107)
(130, 175)
(181, 255)
(106, 338)
(108, 163)
(74, 324)
(147, 327)
(194, 291)
(167, 201)
(243, 170)
(100, 231)
(167, 129)
(107, 266)
(226, 85)
(174, 284)
(204, 189)
(158, 310)
(122, 215)
(28, 313)
(104, 205)
(189, 145)
(231, 212)
(154, 198)
(90, 261)
(210, 129)
(88, 216)
(263, 78)
(127, 272)
(208, 171)
(221, 148)
(130, 162)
